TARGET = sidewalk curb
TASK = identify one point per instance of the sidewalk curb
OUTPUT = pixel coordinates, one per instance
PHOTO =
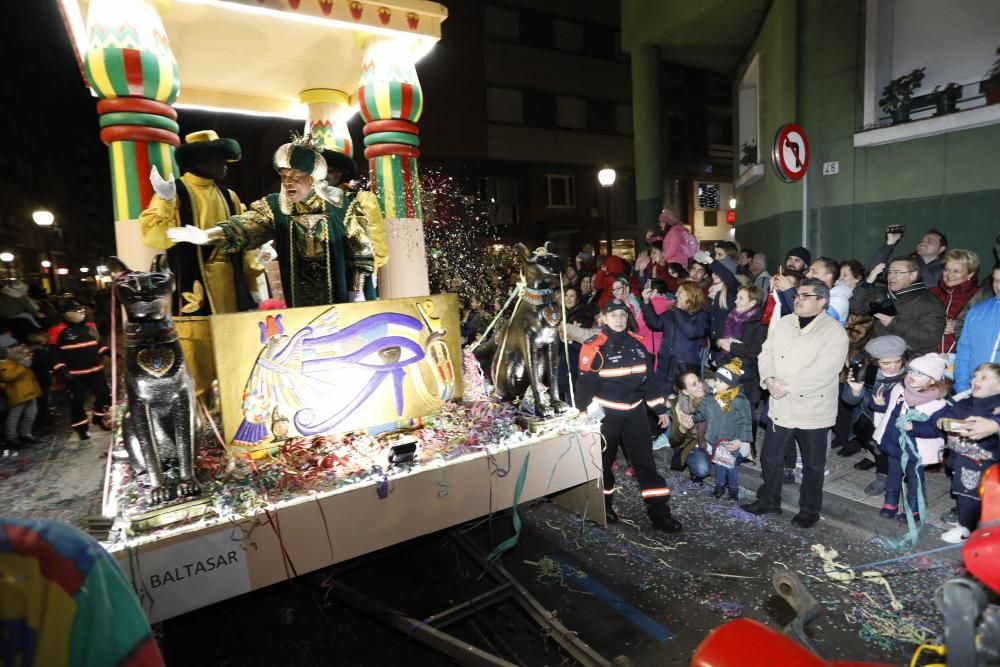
(843, 513)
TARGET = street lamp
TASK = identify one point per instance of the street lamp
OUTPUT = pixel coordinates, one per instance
(84, 269)
(63, 271)
(46, 264)
(45, 219)
(732, 202)
(7, 258)
(606, 177)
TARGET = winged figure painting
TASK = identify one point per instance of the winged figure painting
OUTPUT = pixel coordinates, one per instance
(322, 374)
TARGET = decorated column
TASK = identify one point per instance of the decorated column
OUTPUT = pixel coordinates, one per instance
(391, 102)
(328, 114)
(132, 70)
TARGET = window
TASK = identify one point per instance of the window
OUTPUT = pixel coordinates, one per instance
(539, 109)
(955, 42)
(505, 106)
(501, 23)
(749, 130)
(562, 191)
(536, 29)
(709, 196)
(567, 36)
(571, 113)
(710, 218)
(499, 194)
(623, 119)
(601, 116)
(599, 41)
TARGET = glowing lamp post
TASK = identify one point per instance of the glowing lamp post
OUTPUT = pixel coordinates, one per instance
(606, 177)
(46, 219)
(7, 258)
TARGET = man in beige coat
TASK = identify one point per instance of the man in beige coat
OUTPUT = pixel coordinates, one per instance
(800, 364)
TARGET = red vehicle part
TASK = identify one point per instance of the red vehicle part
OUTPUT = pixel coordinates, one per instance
(747, 643)
(981, 552)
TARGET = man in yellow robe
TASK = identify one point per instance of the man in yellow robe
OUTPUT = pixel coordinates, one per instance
(209, 280)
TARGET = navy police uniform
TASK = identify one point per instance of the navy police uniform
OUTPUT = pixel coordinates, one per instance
(616, 371)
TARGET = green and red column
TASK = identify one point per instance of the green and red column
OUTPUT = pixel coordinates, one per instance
(391, 102)
(133, 71)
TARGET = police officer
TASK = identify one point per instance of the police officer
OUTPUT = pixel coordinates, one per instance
(616, 372)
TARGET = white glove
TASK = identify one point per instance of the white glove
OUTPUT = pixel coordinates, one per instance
(188, 234)
(702, 257)
(266, 253)
(357, 297)
(166, 189)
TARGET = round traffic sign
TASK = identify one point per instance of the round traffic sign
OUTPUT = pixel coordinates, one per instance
(790, 154)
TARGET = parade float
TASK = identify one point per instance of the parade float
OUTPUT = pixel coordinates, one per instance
(326, 432)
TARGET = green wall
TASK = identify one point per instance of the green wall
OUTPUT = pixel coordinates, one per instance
(811, 72)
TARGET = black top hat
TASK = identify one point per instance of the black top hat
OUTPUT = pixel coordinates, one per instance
(344, 163)
(205, 145)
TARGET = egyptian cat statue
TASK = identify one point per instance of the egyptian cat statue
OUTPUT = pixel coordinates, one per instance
(160, 424)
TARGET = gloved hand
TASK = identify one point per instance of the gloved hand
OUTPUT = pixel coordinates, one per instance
(166, 189)
(188, 234)
(357, 297)
(702, 257)
(266, 253)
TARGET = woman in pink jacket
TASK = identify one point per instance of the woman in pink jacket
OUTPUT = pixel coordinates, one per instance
(651, 339)
(678, 243)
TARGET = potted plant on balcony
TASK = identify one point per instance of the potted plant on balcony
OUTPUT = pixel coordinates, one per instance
(991, 84)
(897, 96)
(946, 98)
(748, 151)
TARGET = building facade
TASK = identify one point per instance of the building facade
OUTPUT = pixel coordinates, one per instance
(825, 65)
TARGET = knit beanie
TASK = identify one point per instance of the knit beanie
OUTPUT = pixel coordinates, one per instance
(931, 365)
(801, 253)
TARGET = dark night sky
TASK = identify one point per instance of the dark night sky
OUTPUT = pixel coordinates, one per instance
(50, 152)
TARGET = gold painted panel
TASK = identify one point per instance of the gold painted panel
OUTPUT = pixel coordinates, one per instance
(376, 365)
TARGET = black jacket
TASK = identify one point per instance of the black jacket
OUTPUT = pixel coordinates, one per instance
(617, 372)
(76, 348)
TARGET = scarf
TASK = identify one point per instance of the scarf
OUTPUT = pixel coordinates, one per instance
(909, 289)
(914, 398)
(725, 398)
(734, 322)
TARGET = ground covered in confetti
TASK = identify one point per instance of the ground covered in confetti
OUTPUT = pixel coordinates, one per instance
(626, 590)
(678, 587)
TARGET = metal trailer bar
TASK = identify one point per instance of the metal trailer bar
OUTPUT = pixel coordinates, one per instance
(566, 638)
(461, 652)
(465, 609)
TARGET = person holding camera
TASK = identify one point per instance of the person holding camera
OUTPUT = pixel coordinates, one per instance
(929, 254)
(871, 377)
(904, 307)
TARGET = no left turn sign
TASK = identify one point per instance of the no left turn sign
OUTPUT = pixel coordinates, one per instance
(790, 154)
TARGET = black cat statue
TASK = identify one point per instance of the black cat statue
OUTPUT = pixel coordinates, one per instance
(160, 424)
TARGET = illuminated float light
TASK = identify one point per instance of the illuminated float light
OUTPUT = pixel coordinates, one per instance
(420, 45)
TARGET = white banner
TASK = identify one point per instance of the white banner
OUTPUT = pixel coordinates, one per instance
(176, 579)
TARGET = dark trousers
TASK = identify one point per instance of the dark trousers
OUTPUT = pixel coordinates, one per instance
(812, 445)
(81, 385)
(631, 430)
(968, 512)
(894, 481)
(846, 416)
